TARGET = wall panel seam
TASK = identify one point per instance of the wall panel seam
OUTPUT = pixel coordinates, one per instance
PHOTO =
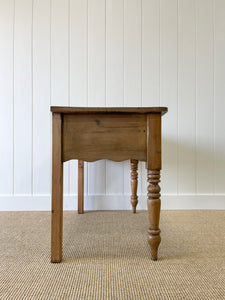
(68, 78)
(13, 137)
(32, 97)
(213, 58)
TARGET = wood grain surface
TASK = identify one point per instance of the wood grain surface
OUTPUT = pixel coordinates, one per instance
(98, 136)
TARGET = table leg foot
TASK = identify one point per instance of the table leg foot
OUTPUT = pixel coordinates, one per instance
(154, 205)
(134, 183)
(56, 240)
(56, 261)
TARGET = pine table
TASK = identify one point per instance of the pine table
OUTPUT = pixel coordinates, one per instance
(116, 133)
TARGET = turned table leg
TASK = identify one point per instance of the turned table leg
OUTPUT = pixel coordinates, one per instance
(80, 186)
(153, 177)
(134, 183)
(154, 205)
(57, 190)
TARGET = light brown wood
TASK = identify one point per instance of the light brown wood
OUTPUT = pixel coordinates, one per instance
(153, 177)
(154, 205)
(80, 186)
(106, 110)
(154, 141)
(97, 136)
(57, 189)
(134, 184)
(113, 133)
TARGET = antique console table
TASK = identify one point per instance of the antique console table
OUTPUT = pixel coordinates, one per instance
(90, 134)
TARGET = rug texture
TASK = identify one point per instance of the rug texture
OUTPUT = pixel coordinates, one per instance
(106, 256)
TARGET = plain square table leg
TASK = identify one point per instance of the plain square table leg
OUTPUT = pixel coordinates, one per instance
(57, 190)
(80, 186)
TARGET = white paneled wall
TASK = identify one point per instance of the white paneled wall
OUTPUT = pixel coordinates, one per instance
(113, 53)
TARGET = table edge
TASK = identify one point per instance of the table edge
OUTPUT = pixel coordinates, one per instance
(108, 110)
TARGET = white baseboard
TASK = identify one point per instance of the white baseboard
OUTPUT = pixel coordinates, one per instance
(110, 202)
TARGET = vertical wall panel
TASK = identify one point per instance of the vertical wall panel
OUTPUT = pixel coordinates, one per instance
(132, 67)
(96, 53)
(186, 96)
(114, 53)
(132, 53)
(96, 81)
(78, 70)
(150, 52)
(41, 97)
(23, 97)
(6, 95)
(219, 100)
(205, 94)
(114, 82)
(168, 92)
(150, 62)
(60, 64)
(78, 52)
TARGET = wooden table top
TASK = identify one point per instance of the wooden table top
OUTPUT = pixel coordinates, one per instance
(108, 110)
